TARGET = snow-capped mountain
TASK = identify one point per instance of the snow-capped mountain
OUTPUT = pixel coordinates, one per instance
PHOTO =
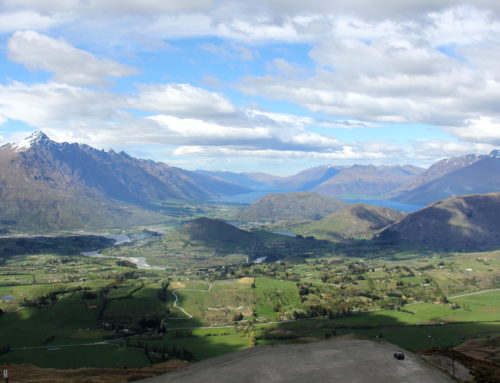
(40, 178)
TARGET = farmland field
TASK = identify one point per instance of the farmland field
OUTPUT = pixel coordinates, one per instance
(73, 311)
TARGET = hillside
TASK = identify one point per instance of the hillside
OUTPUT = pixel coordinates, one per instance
(448, 178)
(48, 185)
(461, 223)
(357, 221)
(285, 206)
(217, 233)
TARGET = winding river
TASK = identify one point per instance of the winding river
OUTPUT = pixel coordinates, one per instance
(141, 262)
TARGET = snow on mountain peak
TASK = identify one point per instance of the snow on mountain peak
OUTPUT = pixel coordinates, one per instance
(495, 154)
(33, 139)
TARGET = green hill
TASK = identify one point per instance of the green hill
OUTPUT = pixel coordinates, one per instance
(357, 221)
(219, 234)
(285, 206)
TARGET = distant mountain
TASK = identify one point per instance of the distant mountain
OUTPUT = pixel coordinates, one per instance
(284, 206)
(361, 181)
(357, 221)
(307, 179)
(470, 174)
(49, 185)
(349, 182)
(469, 222)
(254, 181)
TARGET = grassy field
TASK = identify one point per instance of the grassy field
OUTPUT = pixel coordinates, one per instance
(274, 297)
(51, 301)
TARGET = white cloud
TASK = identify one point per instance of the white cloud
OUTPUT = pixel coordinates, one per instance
(437, 149)
(69, 64)
(481, 130)
(182, 100)
(54, 104)
(102, 118)
(252, 130)
(266, 20)
(113, 6)
(343, 153)
(394, 79)
(429, 61)
(27, 19)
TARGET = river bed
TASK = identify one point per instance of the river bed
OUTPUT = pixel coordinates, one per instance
(141, 262)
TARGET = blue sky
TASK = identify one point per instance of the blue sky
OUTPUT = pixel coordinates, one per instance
(264, 85)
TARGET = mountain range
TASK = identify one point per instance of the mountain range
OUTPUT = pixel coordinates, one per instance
(471, 174)
(50, 185)
(356, 181)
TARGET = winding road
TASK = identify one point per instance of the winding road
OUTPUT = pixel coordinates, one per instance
(176, 302)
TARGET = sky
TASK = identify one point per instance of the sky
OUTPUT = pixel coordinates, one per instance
(273, 86)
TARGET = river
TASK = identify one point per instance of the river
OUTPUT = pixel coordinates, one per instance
(141, 262)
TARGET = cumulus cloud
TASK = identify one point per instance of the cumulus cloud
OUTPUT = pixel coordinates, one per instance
(194, 117)
(427, 61)
(54, 104)
(481, 130)
(436, 149)
(346, 152)
(397, 78)
(69, 64)
(27, 19)
(182, 100)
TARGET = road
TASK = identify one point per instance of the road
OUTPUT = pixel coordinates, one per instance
(475, 293)
(176, 301)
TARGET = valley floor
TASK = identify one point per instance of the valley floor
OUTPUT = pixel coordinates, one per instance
(70, 311)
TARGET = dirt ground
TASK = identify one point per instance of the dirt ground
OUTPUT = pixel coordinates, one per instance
(25, 373)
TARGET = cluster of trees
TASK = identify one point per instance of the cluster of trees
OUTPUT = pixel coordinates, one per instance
(163, 292)
(161, 353)
(52, 297)
(4, 349)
